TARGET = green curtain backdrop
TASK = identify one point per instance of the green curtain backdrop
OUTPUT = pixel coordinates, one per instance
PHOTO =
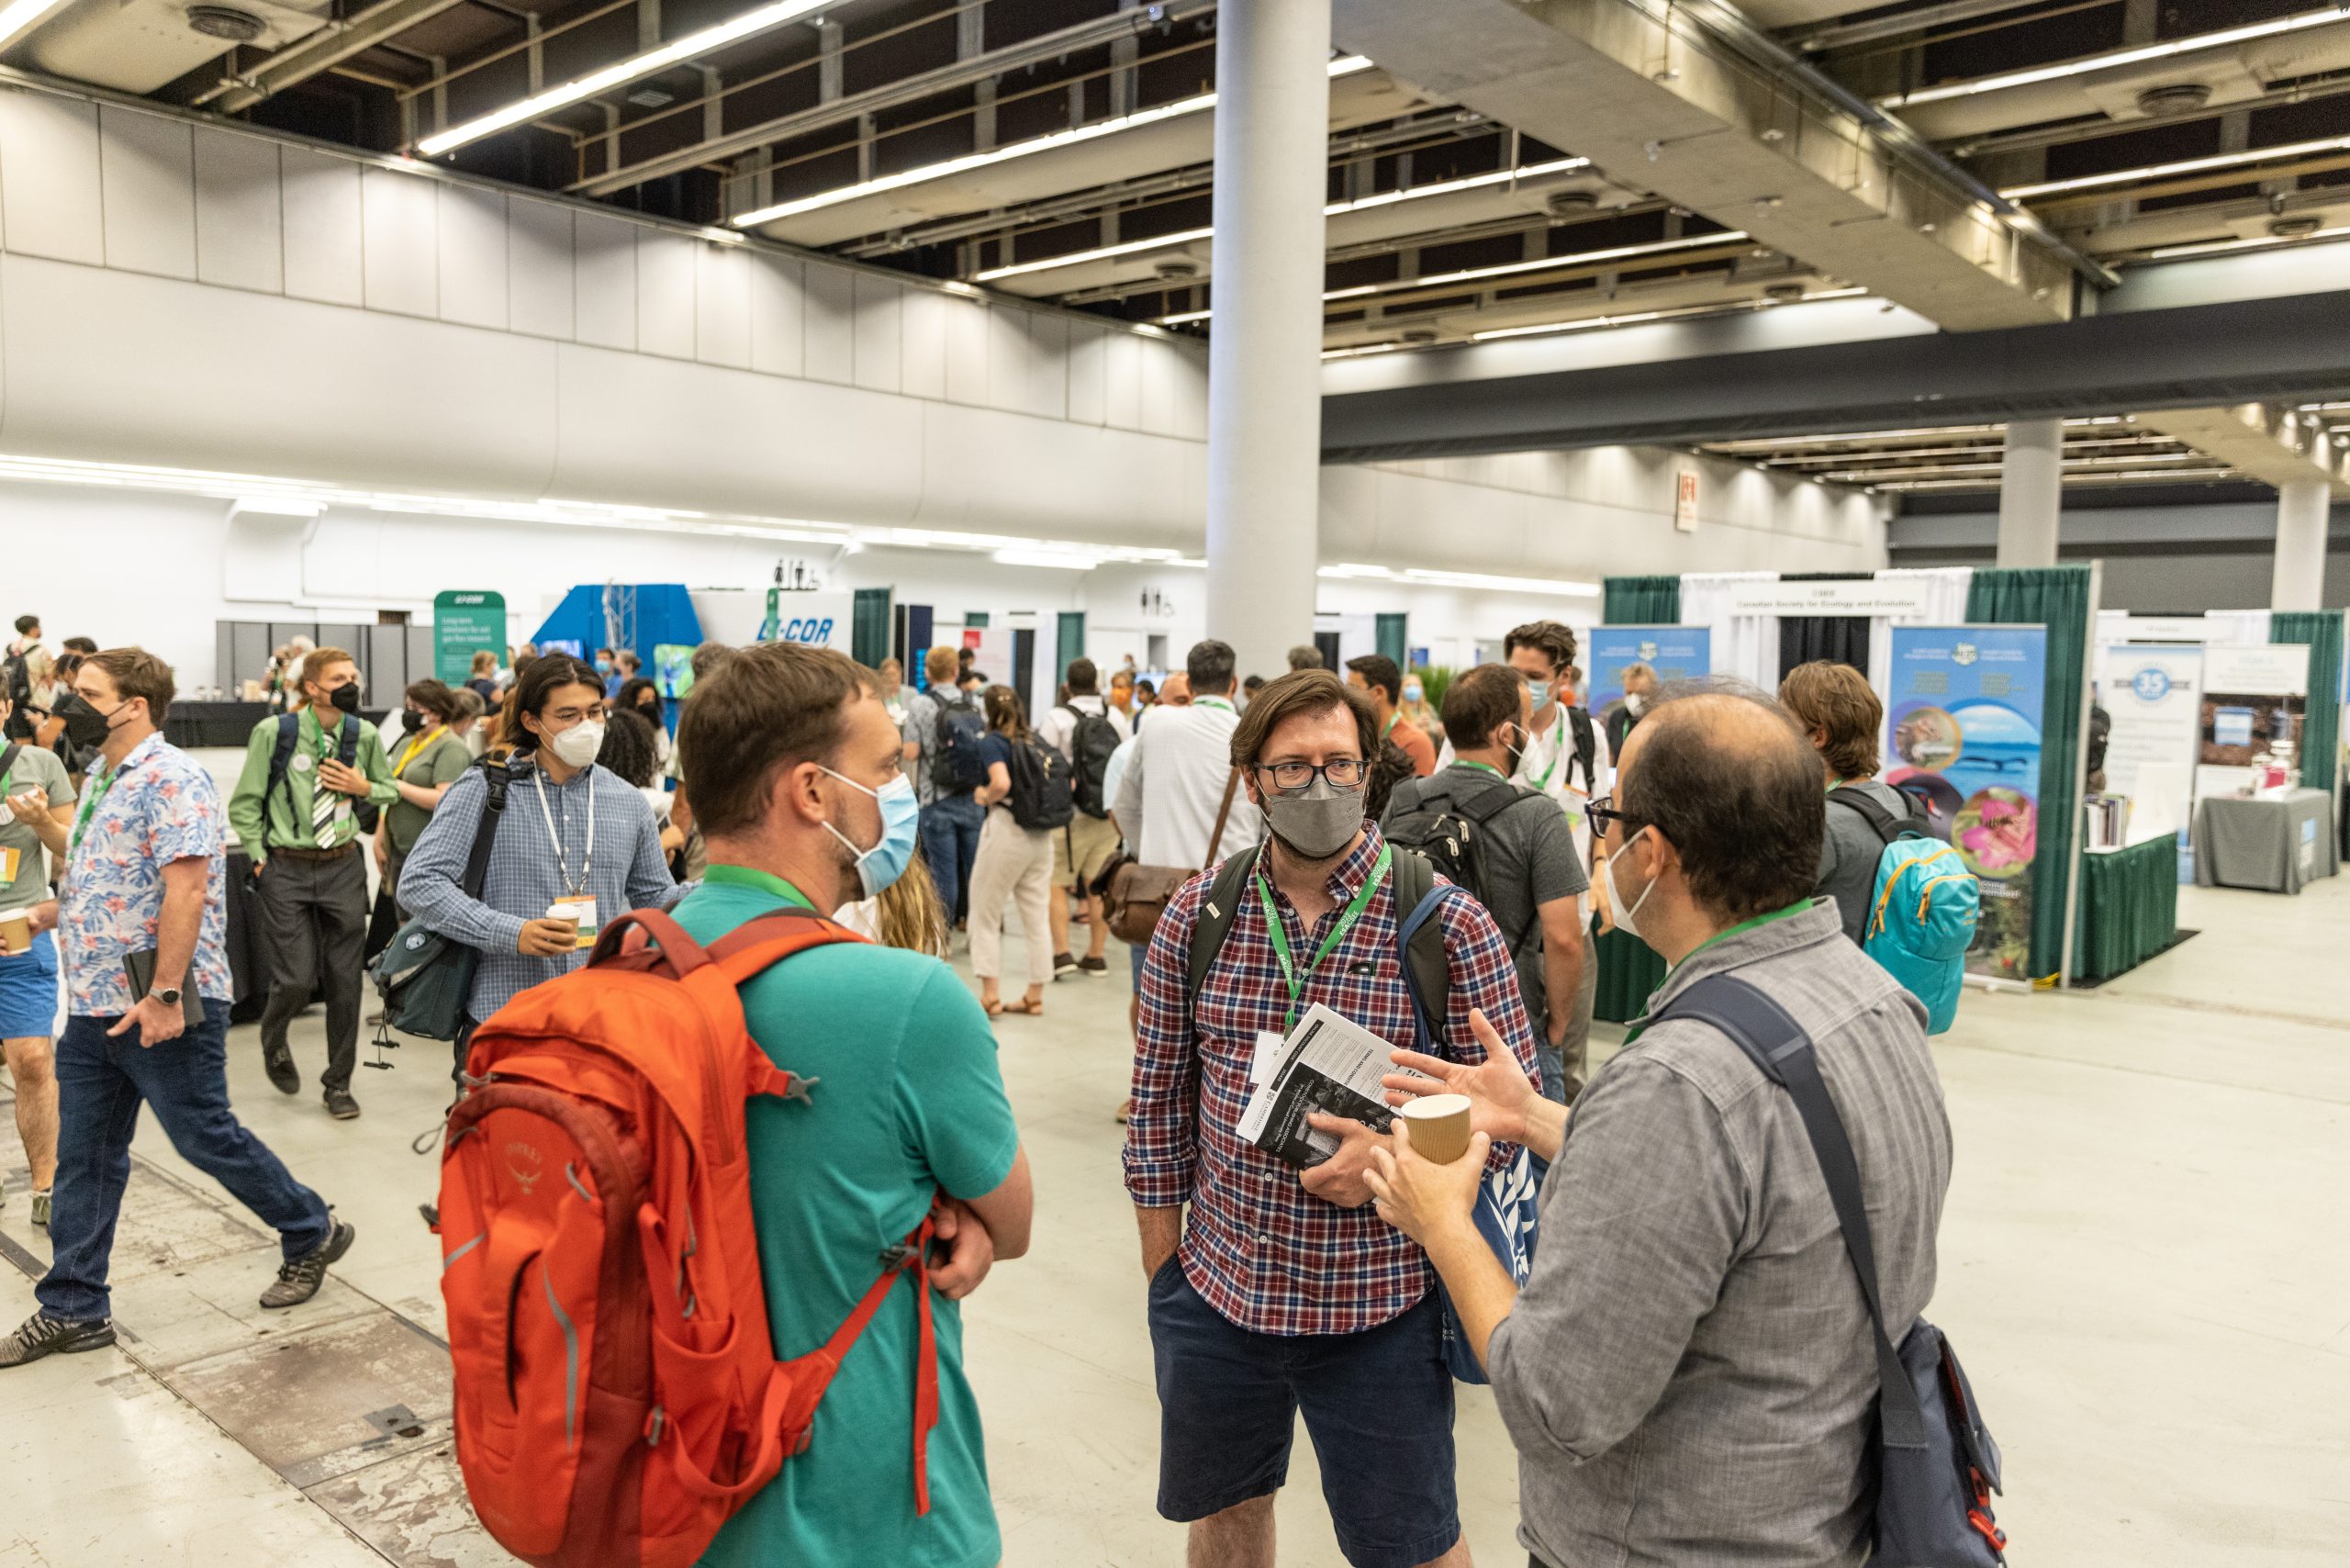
(1641, 602)
(868, 636)
(1630, 972)
(1069, 640)
(2129, 908)
(2320, 732)
(2058, 598)
(975, 617)
(1393, 640)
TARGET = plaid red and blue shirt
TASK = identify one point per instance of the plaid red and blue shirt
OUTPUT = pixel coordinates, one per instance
(1266, 1253)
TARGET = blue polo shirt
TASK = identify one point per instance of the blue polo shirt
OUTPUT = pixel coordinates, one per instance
(910, 1101)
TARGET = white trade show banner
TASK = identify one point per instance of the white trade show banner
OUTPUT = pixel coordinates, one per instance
(2153, 694)
(1891, 594)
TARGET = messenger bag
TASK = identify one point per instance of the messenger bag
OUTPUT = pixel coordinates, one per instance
(1140, 894)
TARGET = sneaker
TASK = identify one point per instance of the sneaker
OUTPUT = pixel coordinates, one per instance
(1064, 964)
(1094, 966)
(341, 1106)
(283, 1073)
(41, 1209)
(299, 1280)
(42, 1335)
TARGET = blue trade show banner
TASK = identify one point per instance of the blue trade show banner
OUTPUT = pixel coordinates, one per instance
(1675, 653)
(1966, 728)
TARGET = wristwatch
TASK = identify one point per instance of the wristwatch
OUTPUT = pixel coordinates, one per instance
(168, 995)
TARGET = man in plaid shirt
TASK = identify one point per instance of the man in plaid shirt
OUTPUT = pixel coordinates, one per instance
(1285, 1290)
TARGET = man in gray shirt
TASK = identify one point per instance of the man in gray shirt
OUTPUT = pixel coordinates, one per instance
(1835, 708)
(1532, 881)
(1689, 1374)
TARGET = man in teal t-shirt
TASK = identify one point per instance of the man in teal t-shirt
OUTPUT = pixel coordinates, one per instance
(908, 1102)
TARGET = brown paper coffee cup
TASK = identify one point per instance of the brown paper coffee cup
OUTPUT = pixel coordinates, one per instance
(1438, 1127)
(15, 931)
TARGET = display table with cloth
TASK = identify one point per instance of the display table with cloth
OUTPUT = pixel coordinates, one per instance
(2129, 907)
(1630, 972)
(2275, 843)
(191, 724)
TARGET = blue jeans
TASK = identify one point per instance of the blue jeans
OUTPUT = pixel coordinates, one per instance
(100, 1083)
(950, 842)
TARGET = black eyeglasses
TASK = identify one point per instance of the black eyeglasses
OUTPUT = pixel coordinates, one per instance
(1343, 773)
(1603, 811)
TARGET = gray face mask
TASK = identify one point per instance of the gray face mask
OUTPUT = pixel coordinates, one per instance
(1319, 824)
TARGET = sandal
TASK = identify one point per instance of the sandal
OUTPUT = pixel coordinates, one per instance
(992, 1009)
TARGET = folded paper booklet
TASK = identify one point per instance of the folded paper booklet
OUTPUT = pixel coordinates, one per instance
(1327, 1064)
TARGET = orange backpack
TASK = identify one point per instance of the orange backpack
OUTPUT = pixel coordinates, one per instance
(618, 1395)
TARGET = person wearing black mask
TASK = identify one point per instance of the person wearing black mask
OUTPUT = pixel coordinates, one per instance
(314, 783)
(430, 756)
(638, 695)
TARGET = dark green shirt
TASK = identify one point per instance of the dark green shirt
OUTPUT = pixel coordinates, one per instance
(288, 808)
(440, 760)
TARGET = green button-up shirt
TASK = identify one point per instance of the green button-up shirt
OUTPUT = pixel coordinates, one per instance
(286, 811)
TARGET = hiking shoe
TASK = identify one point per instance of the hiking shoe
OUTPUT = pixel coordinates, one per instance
(341, 1106)
(42, 1335)
(40, 1210)
(1094, 966)
(282, 1071)
(299, 1280)
(1064, 964)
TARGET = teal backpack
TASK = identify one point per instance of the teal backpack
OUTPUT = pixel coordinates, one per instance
(1923, 909)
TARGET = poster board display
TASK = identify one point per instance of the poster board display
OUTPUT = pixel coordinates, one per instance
(1964, 729)
(2254, 694)
(2153, 693)
(818, 620)
(465, 621)
(1675, 653)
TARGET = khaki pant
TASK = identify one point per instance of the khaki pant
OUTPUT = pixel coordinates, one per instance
(1015, 866)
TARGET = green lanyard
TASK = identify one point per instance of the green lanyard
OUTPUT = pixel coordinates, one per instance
(1212, 702)
(1391, 723)
(1274, 929)
(1544, 782)
(93, 792)
(1489, 767)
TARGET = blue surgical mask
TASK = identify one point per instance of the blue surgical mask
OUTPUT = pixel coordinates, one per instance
(1539, 690)
(882, 865)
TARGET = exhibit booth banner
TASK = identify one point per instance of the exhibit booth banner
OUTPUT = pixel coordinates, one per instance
(2254, 696)
(821, 619)
(465, 622)
(1675, 653)
(2153, 694)
(1965, 731)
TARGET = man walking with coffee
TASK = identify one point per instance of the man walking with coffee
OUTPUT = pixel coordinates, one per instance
(1281, 1291)
(36, 802)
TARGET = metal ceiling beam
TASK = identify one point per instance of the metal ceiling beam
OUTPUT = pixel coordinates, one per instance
(1837, 35)
(1677, 385)
(329, 47)
(911, 89)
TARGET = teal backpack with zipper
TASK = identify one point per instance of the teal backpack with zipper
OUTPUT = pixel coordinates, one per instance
(1923, 909)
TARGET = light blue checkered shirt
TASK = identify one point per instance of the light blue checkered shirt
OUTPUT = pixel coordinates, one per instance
(628, 871)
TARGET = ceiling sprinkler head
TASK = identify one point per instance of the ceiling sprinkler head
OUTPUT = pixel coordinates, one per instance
(1175, 269)
(225, 22)
(1770, 201)
(1572, 200)
(2174, 99)
(1773, 133)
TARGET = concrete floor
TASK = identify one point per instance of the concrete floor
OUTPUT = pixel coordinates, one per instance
(2145, 1261)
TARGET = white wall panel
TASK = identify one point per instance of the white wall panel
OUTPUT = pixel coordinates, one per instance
(923, 343)
(879, 352)
(1159, 386)
(240, 227)
(402, 253)
(147, 181)
(538, 267)
(779, 314)
(1088, 360)
(989, 470)
(48, 178)
(723, 305)
(604, 273)
(832, 323)
(967, 350)
(664, 294)
(1009, 349)
(323, 228)
(1122, 382)
(473, 257)
(1190, 377)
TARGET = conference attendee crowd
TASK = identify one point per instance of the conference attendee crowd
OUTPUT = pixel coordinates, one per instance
(1683, 1355)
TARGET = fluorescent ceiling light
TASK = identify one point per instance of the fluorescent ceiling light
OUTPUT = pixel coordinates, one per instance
(758, 19)
(1345, 66)
(2184, 166)
(21, 18)
(1334, 209)
(2115, 59)
(1588, 323)
(2257, 242)
(1545, 264)
(277, 505)
(1344, 571)
(1049, 559)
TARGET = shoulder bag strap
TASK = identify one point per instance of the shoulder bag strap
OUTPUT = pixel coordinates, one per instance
(495, 777)
(9, 757)
(1215, 839)
(1427, 967)
(1216, 919)
(1779, 1047)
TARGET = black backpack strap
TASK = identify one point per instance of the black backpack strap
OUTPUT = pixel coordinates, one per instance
(1586, 748)
(1216, 921)
(1427, 969)
(8, 756)
(281, 760)
(499, 777)
(1888, 826)
(1780, 1048)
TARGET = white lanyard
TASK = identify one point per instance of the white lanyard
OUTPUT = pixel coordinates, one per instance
(588, 858)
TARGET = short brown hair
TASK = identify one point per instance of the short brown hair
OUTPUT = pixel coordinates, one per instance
(318, 661)
(770, 706)
(436, 700)
(1837, 698)
(1481, 701)
(137, 673)
(1554, 640)
(941, 664)
(1299, 693)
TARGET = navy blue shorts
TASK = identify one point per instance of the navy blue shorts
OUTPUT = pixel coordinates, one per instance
(1378, 1406)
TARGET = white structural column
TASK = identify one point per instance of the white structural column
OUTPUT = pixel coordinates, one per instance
(1272, 119)
(2032, 492)
(2300, 581)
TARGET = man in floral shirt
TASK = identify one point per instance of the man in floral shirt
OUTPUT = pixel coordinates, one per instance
(143, 877)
